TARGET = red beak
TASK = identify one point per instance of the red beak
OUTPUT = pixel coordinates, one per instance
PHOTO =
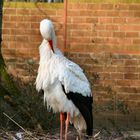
(51, 45)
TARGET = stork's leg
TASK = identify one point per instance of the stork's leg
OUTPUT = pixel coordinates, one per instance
(62, 118)
(67, 124)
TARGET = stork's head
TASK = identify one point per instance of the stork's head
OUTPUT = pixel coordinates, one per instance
(47, 32)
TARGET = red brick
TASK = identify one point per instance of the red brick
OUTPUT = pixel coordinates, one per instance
(14, 18)
(23, 11)
(99, 40)
(118, 62)
(77, 6)
(131, 62)
(22, 38)
(111, 40)
(112, 27)
(119, 34)
(107, 6)
(6, 17)
(124, 82)
(9, 11)
(78, 20)
(104, 34)
(104, 20)
(130, 28)
(80, 26)
(93, 6)
(23, 25)
(6, 31)
(104, 76)
(122, 6)
(124, 41)
(135, 97)
(134, 7)
(128, 69)
(110, 69)
(135, 20)
(137, 14)
(86, 13)
(8, 38)
(97, 68)
(100, 27)
(92, 20)
(136, 41)
(126, 14)
(132, 34)
(119, 20)
(35, 38)
(9, 25)
(34, 25)
(117, 75)
(112, 13)
(82, 33)
(99, 13)
(73, 13)
(128, 90)
(131, 76)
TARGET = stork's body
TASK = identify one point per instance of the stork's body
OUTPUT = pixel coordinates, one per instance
(66, 88)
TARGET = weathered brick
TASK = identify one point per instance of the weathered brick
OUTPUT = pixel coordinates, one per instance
(136, 41)
(92, 19)
(78, 20)
(126, 68)
(93, 6)
(131, 62)
(116, 75)
(9, 25)
(122, 6)
(107, 6)
(6, 17)
(117, 62)
(129, 27)
(112, 27)
(126, 14)
(134, 7)
(132, 34)
(131, 76)
(113, 13)
(119, 20)
(6, 31)
(9, 11)
(73, 13)
(105, 20)
(133, 20)
(104, 34)
(119, 34)
(23, 11)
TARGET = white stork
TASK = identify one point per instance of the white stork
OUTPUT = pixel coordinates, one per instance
(66, 88)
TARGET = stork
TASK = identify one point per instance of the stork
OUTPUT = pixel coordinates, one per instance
(66, 88)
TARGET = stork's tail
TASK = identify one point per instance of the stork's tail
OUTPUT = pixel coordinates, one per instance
(84, 104)
(88, 117)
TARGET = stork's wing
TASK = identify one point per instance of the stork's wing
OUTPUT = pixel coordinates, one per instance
(73, 78)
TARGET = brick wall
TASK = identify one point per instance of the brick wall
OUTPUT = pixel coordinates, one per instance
(104, 39)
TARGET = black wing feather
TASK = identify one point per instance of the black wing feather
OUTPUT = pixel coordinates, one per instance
(84, 104)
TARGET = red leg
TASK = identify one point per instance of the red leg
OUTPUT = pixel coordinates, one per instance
(62, 118)
(67, 124)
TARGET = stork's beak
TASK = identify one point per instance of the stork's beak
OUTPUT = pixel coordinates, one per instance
(51, 45)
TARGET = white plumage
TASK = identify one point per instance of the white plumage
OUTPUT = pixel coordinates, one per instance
(56, 70)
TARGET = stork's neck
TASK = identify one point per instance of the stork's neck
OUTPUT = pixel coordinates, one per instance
(51, 45)
(45, 51)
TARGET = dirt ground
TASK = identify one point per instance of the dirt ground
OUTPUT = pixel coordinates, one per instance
(35, 135)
